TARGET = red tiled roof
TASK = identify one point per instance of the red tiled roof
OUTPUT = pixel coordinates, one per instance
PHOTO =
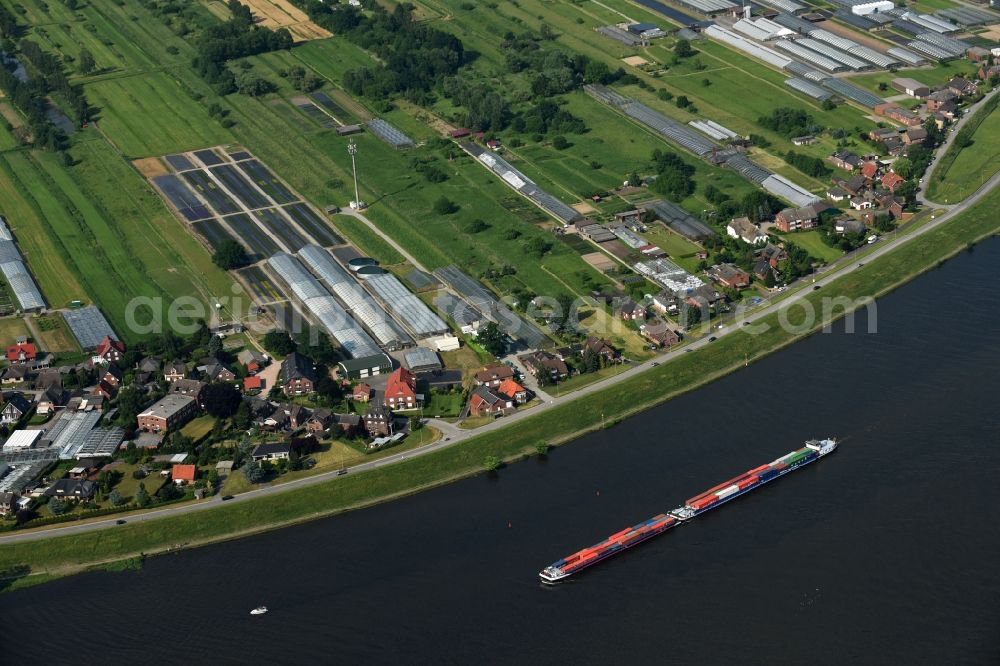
(510, 388)
(183, 472)
(869, 169)
(401, 384)
(891, 180)
(27, 348)
(107, 344)
(253, 383)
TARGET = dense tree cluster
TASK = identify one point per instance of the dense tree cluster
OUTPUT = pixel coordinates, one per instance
(674, 176)
(789, 122)
(50, 69)
(552, 72)
(807, 164)
(229, 255)
(9, 27)
(236, 38)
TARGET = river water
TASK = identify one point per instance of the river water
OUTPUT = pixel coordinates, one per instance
(883, 553)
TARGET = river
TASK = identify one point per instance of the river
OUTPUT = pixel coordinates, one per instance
(885, 552)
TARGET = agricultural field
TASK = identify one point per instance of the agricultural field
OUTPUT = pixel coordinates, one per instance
(55, 334)
(12, 328)
(930, 75)
(96, 231)
(7, 139)
(961, 172)
(152, 114)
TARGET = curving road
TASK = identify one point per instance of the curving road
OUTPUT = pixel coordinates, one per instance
(452, 435)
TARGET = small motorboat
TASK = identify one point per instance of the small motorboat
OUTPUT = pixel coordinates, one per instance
(260, 610)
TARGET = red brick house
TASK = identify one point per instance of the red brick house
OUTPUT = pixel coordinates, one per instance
(493, 375)
(729, 275)
(602, 348)
(891, 181)
(400, 391)
(106, 389)
(298, 377)
(378, 420)
(661, 334)
(109, 351)
(361, 393)
(112, 375)
(486, 402)
(793, 219)
(22, 352)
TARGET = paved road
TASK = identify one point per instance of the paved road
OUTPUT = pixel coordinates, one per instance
(384, 236)
(943, 148)
(452, 435)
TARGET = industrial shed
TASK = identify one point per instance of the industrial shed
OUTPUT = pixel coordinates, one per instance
(16, 273)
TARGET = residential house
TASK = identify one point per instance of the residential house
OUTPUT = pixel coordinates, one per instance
(914, 135)
(401, 390)
(215, 371)
(977, 54)
(15, 374)
(183, 474)
(849, 225)
(320, 421)
(377, 421)
(702, 297)
(253, 361)
(882, 134)
(869, 170)
(837, 194)
(287, 415)
(514, 391)
(174, 371)
(542, 362)
(272, 452)
(773, 254)
(76, 489)
(253, 384)
(844, 159)
(22, 352)
(112, 376)
(893, 204)
(853, 185)
(259, 409)
(794, 219)
(745, 230)
(188, 387)
(665, 301)
(298, 376)
(629, 310)
(729, 275)
(601, 348)
(484, 401)
(762, 269)
(168, 413)
(987, 72)
(891, 181)
(660, 333)
(805, 140)
(349, 424)
(52, 398)
(361, 393)
(859, 203)
(493, 375)
(960, 86)
(106, 390)
(15, 406)
(108, 351)
(150, 364)
(936, 100)
(8, 503)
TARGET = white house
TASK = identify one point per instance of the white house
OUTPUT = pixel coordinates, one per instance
(743, 228)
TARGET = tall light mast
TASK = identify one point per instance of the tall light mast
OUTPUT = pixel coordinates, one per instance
(352, 150)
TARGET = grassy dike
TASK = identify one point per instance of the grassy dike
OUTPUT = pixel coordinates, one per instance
(65, 555)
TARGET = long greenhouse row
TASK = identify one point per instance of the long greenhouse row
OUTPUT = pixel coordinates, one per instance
(16, 273)
(323, 306)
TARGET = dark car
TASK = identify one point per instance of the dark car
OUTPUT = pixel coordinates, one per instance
(713, 339)
(816, 286)
(341, 472)
(226, 498)
(120, 522)
(655, 363)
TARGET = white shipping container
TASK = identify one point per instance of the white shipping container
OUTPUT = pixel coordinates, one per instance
(727, 491)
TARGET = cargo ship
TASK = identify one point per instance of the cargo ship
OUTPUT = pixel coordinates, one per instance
(695, 506)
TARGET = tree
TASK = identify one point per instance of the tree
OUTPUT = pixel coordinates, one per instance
(903, 167)
(241, 419)
(560, 143)
(492, 339)
(57, 506)
(142, 496)
(116, 498)
(329, 388)
(279, 343)
(415, 423)
(85, 63)
(229, 255)
(130, 402)
(445, 206)
(682, 102)
(248, 83)
(491, 463)
(683, 49)
(541, 448)
(221, 400)
(253, 472)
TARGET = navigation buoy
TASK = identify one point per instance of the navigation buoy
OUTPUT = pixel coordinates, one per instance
(508, 524)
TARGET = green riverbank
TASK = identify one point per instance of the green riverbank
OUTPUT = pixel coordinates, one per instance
(70, 554)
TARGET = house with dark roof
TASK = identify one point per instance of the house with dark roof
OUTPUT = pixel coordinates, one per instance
(272, 452)
(298, 375)
(659, 333)
(542, 362)
(76, 489)
(320, 421)
(485, 401)
(15, 406)
(729, 275)
(108, 351)
(189, 387)
(349, 424)
(112, 375)
(493, 375)
(215, 371)
(377, 420)
(602, 348)
(846, 160)
(52, 398)
(174, 371)
(149, 364)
